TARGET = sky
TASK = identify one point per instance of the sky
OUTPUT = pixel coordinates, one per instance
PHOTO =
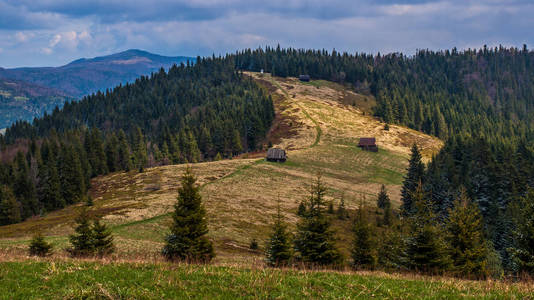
(55, 32)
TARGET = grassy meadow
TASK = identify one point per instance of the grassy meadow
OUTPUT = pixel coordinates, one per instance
(34, 279)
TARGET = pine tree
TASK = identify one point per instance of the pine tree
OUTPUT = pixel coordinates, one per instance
(415, 175)
(102, 239)
(82, 240)
(426, 250)
(522, 252)
(187, 240)
(218, 157)
(49, 186)
(278, 251)
(9, 206)
(314, 241)
(383, 198)
(112, 153)
(391, 250)
(341, 212)
(71, 175)
(362, 251)
(387, 220)
(465, 238)
(39, 247)
(124, 156)
(140, 151)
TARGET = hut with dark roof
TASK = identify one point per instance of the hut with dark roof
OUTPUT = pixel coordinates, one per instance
(276, 155)
(304, 78)
(368, 144)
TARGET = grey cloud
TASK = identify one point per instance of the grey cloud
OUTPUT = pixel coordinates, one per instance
(215, 26)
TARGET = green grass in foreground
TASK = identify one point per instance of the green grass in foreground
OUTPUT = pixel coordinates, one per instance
(89, 280)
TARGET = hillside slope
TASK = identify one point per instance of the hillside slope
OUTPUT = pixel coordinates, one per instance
(26, 93)
(85, 76)
(20, 100)
(318, 122)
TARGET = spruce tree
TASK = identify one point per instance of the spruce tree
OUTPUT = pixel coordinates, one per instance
(82, 240)
(278, 251)
(391, 250)
(341, 212)
(124, 156)
(71, 175)
(9, 206)
(102, 239)
(39, 247)
(415, 175)
(140, 154)
(466, 239)
(187, 240)
(362, 251)
(314, 242)
(383, 198)
(112, 153)
(426, 250)
(522, 251)
(387, 220)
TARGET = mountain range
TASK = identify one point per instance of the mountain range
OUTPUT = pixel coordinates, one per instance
(26, 93)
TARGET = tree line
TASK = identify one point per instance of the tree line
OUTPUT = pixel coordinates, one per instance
(191, 113)
(486, 92)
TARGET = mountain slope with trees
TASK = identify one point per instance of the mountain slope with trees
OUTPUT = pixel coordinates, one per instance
(188, 114)
(26, 93)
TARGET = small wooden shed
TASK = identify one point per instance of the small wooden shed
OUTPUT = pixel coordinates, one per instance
(305, 78)
(368, 144)
(276, 155)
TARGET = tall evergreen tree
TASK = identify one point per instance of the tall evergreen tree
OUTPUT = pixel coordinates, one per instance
(9, 207)
(71, 175)
(362, 252)
(466, 239)
(426, 249)
(314, 241)
(383, 198)
(187, 240)
(412, 179)
(124, 156)
(278, 252)
(112, 153)
(522, 251)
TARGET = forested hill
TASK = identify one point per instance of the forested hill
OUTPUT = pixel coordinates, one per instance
(27, 93)
(487, 92)
(481, 102)
(188, 114)
(85, 76)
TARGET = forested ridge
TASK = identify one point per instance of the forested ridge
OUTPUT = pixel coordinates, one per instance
(191, 113)
(487, 92)
(481, 102)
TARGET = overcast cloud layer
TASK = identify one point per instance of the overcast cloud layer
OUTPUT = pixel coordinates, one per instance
(54, 32)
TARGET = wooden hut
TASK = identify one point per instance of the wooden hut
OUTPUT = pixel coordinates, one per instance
(305, 78)
(276, 155)
(368, 144)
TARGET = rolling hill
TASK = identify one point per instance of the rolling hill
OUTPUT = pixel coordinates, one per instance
(319, 123)
(26, 93)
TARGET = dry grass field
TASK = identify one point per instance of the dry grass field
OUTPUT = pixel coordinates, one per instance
(319, 123)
